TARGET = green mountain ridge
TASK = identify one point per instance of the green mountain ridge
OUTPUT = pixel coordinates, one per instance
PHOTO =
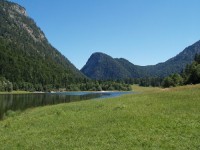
(175, 64)
(25, 53)
(125, 69)
(100, 62)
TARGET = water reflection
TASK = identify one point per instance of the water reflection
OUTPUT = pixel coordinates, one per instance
(23, 101)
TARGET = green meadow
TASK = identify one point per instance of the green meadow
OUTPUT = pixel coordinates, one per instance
(153, 118)
(16, 92)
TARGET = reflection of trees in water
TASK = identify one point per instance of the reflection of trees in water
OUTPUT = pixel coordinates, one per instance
(23, 101)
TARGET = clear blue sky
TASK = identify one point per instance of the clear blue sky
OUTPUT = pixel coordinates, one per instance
(145, 32)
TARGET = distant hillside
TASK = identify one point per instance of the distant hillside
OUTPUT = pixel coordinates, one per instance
(25, 53)
(102, 66)
(99, 66)
(175, 64)
(134, 70)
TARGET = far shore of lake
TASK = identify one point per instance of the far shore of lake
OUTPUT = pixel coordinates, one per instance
(36, 92)
(16, 92)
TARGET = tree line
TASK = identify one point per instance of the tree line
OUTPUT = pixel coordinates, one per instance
(5, 85)
(190, 75)
(75, 85)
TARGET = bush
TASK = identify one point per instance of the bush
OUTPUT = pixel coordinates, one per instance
(172, 81)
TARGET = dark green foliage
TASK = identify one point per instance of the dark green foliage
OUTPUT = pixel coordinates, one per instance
(101, 85)
(103, 67)
(26, 57)
(197, 58)
(134, 70)
(172, 80)
(5, 85)
(190, 75)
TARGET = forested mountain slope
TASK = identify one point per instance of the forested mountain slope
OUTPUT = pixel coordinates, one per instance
(175, 64)
(99, 66)
(26, 56)
(102, 66)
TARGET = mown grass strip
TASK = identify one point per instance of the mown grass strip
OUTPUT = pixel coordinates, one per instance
(16, 92)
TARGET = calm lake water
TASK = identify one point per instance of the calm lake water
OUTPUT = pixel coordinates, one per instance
(21, 102)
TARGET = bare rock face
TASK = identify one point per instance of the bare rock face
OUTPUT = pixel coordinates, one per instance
(19, 9)
(18, 13)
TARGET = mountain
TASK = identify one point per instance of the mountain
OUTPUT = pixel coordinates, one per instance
(25, 53)
(175, 64)
(134, 70)
(99, 66)
(102, 66)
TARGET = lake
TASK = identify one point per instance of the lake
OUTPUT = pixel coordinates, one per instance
(21, 102)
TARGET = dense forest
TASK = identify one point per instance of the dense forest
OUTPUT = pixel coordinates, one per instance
(190, 75)
(100, 85)
(26, 57)
(76, 85)
(5, 85)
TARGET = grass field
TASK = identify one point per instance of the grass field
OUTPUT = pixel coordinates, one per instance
(153, 119)
(16, 92)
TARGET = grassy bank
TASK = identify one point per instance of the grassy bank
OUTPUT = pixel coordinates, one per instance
(154, 119)
(16, 92)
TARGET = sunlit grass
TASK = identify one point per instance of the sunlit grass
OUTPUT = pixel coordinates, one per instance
(140, 89)
(154, 119)
(16, 92)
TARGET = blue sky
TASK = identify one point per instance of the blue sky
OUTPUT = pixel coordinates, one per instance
(145, 32)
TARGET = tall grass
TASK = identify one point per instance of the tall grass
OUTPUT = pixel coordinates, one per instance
(155, 119)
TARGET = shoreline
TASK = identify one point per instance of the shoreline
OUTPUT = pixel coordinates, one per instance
(16, 92)
(38, 92)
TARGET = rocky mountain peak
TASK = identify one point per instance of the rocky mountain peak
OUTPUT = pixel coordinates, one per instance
(19, 16)
(19, 9)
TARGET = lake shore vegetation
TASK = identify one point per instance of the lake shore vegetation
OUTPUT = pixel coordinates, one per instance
(155, 118)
